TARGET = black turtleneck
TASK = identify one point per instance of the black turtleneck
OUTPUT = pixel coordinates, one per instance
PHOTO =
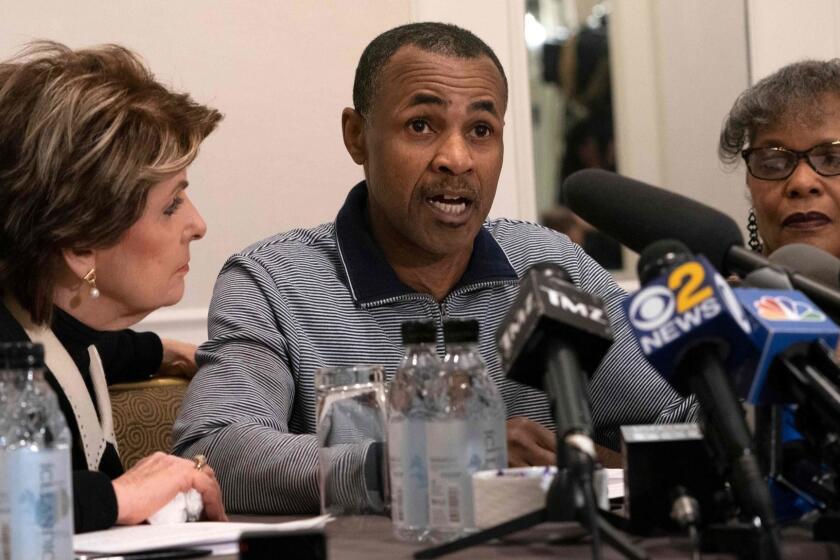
(126, 356)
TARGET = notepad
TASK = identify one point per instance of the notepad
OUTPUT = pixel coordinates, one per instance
(206, 534)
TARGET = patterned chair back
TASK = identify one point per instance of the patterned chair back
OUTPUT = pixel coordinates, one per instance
(143, 416)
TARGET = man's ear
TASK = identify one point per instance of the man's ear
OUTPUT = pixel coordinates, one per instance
(353, 129)
(79, 261)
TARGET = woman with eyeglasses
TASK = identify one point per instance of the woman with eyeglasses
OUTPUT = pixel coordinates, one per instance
(787, 129)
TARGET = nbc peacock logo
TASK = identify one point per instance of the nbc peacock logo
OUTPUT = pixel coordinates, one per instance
(783, 308)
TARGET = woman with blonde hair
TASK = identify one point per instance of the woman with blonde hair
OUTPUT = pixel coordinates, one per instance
(95, 229)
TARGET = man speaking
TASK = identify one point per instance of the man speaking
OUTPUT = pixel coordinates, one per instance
(410, 243)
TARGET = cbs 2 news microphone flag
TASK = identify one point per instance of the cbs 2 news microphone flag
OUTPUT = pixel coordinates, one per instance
(692, 301)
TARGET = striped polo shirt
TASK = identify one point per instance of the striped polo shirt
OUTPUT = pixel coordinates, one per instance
(326, 296)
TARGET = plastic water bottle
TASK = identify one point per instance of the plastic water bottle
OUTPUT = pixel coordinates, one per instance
(467, 433)
(38, 466)
(408, 415)
(7, 397)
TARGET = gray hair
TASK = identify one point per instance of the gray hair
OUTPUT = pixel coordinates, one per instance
(794, 91)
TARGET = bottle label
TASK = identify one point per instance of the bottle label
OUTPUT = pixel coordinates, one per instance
(409, 477)
(41, 504)
(450, 479)
(489, 438)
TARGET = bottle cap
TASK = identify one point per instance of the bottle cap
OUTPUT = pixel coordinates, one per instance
(458, 331)
(21, 355)
(418, 332)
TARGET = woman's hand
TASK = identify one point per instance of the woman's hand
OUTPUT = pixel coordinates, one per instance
(155, 480)
(178, 359)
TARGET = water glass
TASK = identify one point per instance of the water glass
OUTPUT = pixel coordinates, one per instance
(352, 431)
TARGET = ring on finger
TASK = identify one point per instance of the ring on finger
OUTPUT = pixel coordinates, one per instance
(199, 461)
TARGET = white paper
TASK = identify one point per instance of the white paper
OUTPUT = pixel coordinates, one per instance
(615, 483)
(138, 538)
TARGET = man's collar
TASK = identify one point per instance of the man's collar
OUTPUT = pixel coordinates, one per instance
(371, 277)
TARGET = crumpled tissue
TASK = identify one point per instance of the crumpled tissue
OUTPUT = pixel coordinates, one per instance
(184, 507)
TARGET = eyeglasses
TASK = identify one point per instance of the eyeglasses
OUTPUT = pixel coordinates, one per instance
(775, 163)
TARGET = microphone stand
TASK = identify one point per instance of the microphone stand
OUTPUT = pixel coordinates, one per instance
(729, 441)
(815, 375)
(570, 496)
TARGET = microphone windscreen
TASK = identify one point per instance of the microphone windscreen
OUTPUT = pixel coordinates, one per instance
(637, 214)
(811, 261)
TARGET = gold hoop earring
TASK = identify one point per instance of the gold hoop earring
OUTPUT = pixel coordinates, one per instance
(90, 278)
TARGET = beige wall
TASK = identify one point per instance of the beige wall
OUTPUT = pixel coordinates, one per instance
(281, 71)
(782, 32)
(678, 67)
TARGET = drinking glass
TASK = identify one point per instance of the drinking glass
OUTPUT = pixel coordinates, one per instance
(352, 431)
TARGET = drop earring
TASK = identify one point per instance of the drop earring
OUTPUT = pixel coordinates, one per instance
(752, 228)
(90, 278)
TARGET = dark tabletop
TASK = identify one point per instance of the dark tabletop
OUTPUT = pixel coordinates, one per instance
(371, 538)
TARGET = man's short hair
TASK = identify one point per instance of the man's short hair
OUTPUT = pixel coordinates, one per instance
(85, 135)
(439, 38)
(794, 91)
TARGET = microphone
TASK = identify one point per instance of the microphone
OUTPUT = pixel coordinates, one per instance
(811, 261)
(690, 326)
(637, 214)
(684, 303)
(780, 321)
(796, 342)
(789, 331)
(553, 337)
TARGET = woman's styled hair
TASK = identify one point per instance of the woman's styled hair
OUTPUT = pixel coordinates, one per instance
(84, 136)
(794, 91)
